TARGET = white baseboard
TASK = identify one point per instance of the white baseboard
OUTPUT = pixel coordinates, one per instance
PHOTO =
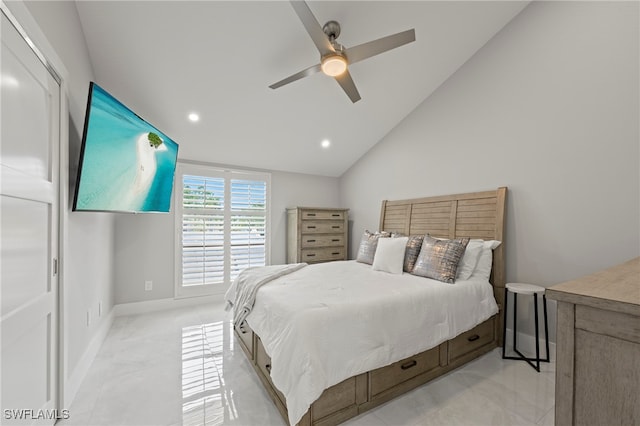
(527, 345)
(135, 308)
(72, 384)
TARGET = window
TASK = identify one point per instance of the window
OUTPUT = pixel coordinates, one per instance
(222, 227)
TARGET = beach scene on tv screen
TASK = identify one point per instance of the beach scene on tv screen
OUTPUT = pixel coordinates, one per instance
(128, 165)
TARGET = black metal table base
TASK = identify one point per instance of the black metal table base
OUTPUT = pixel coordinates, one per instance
(521, 356)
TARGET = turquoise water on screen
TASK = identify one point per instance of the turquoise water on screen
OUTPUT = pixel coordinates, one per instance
(110, 164)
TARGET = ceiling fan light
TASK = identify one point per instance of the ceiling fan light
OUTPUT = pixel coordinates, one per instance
(334, 65)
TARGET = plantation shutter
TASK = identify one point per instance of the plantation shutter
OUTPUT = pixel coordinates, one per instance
(248, 224)
(221, 227)
(202, 230)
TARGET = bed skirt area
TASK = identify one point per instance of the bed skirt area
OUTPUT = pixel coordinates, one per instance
(363, 392)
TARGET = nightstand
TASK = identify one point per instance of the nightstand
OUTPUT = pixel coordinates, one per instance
(528, 290)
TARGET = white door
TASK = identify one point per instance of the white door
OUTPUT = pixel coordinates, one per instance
(29, 194)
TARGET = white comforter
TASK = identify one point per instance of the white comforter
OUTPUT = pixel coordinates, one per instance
(242, 294)
(327, 322)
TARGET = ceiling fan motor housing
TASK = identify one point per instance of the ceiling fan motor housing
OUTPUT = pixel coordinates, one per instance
(332, 30)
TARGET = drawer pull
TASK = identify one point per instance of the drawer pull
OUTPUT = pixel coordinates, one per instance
(311, 227)
(473, 338)
(335, 253)
(408, 365)
(336, 215)
(311, 255)
(311, 214)
(336, 226)
(311, 241)
(335, 240)
(268, 368)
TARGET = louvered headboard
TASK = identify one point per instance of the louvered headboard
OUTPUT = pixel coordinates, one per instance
(474, 215)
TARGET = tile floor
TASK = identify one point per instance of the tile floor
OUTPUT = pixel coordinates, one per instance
(183, 367)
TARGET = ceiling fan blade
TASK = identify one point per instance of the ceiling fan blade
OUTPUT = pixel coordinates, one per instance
(297, 76)
(346, 82)
(313, 27)
(381, 45)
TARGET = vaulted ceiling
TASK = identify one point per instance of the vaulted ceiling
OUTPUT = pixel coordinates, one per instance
(165, 59)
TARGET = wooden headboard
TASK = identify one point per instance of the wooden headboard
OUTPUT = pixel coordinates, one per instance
(474, 215)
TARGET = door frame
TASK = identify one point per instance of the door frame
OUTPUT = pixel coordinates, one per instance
(23, 21)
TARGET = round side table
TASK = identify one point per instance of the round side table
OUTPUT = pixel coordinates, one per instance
(528, 290)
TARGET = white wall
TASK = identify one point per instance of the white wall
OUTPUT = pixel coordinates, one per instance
(88, 265)
(144, 244)
(549, 108)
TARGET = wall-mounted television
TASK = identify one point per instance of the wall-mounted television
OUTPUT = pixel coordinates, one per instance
(126, 164)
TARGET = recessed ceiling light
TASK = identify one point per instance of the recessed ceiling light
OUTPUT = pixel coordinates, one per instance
(194, 117)
(326, 143)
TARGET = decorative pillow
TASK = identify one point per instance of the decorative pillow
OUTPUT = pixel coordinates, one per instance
(389, 255)
(368, 245)
(438, 259)
(413, 250)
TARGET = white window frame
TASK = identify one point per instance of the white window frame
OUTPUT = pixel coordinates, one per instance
(182, 169)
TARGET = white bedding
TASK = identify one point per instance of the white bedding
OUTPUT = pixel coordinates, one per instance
(327, 322)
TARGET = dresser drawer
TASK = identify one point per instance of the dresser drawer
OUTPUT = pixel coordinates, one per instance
(322, 214)
(264, 364)
(313, 255)
(472, 339)
(322, 240)
(387, 377)
(322, 227)
(246, 337)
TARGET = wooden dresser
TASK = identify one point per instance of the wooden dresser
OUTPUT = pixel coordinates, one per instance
(598, 347)
(316, 235)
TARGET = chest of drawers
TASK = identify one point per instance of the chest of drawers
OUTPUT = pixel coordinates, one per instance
(598, 347)
(316, 235)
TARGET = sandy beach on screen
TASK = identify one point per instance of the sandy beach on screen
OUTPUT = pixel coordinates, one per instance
(146, 166)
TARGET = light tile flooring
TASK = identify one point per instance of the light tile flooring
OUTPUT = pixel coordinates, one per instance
(183, 367)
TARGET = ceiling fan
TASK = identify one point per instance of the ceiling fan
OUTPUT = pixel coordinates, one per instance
(335, 58)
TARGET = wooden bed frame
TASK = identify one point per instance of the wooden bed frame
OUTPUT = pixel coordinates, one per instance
(478, 215)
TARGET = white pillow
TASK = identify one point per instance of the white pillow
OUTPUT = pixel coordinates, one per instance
(469, 260)
(483, 268)
(389, 255)
(490, 244)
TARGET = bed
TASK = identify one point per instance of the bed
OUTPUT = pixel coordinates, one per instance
(304, 332)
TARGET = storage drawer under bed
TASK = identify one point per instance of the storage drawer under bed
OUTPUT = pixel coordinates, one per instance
(473, 339)
(387, 377)
(336, 398)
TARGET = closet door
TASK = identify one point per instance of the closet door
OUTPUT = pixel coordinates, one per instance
(29, 196)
